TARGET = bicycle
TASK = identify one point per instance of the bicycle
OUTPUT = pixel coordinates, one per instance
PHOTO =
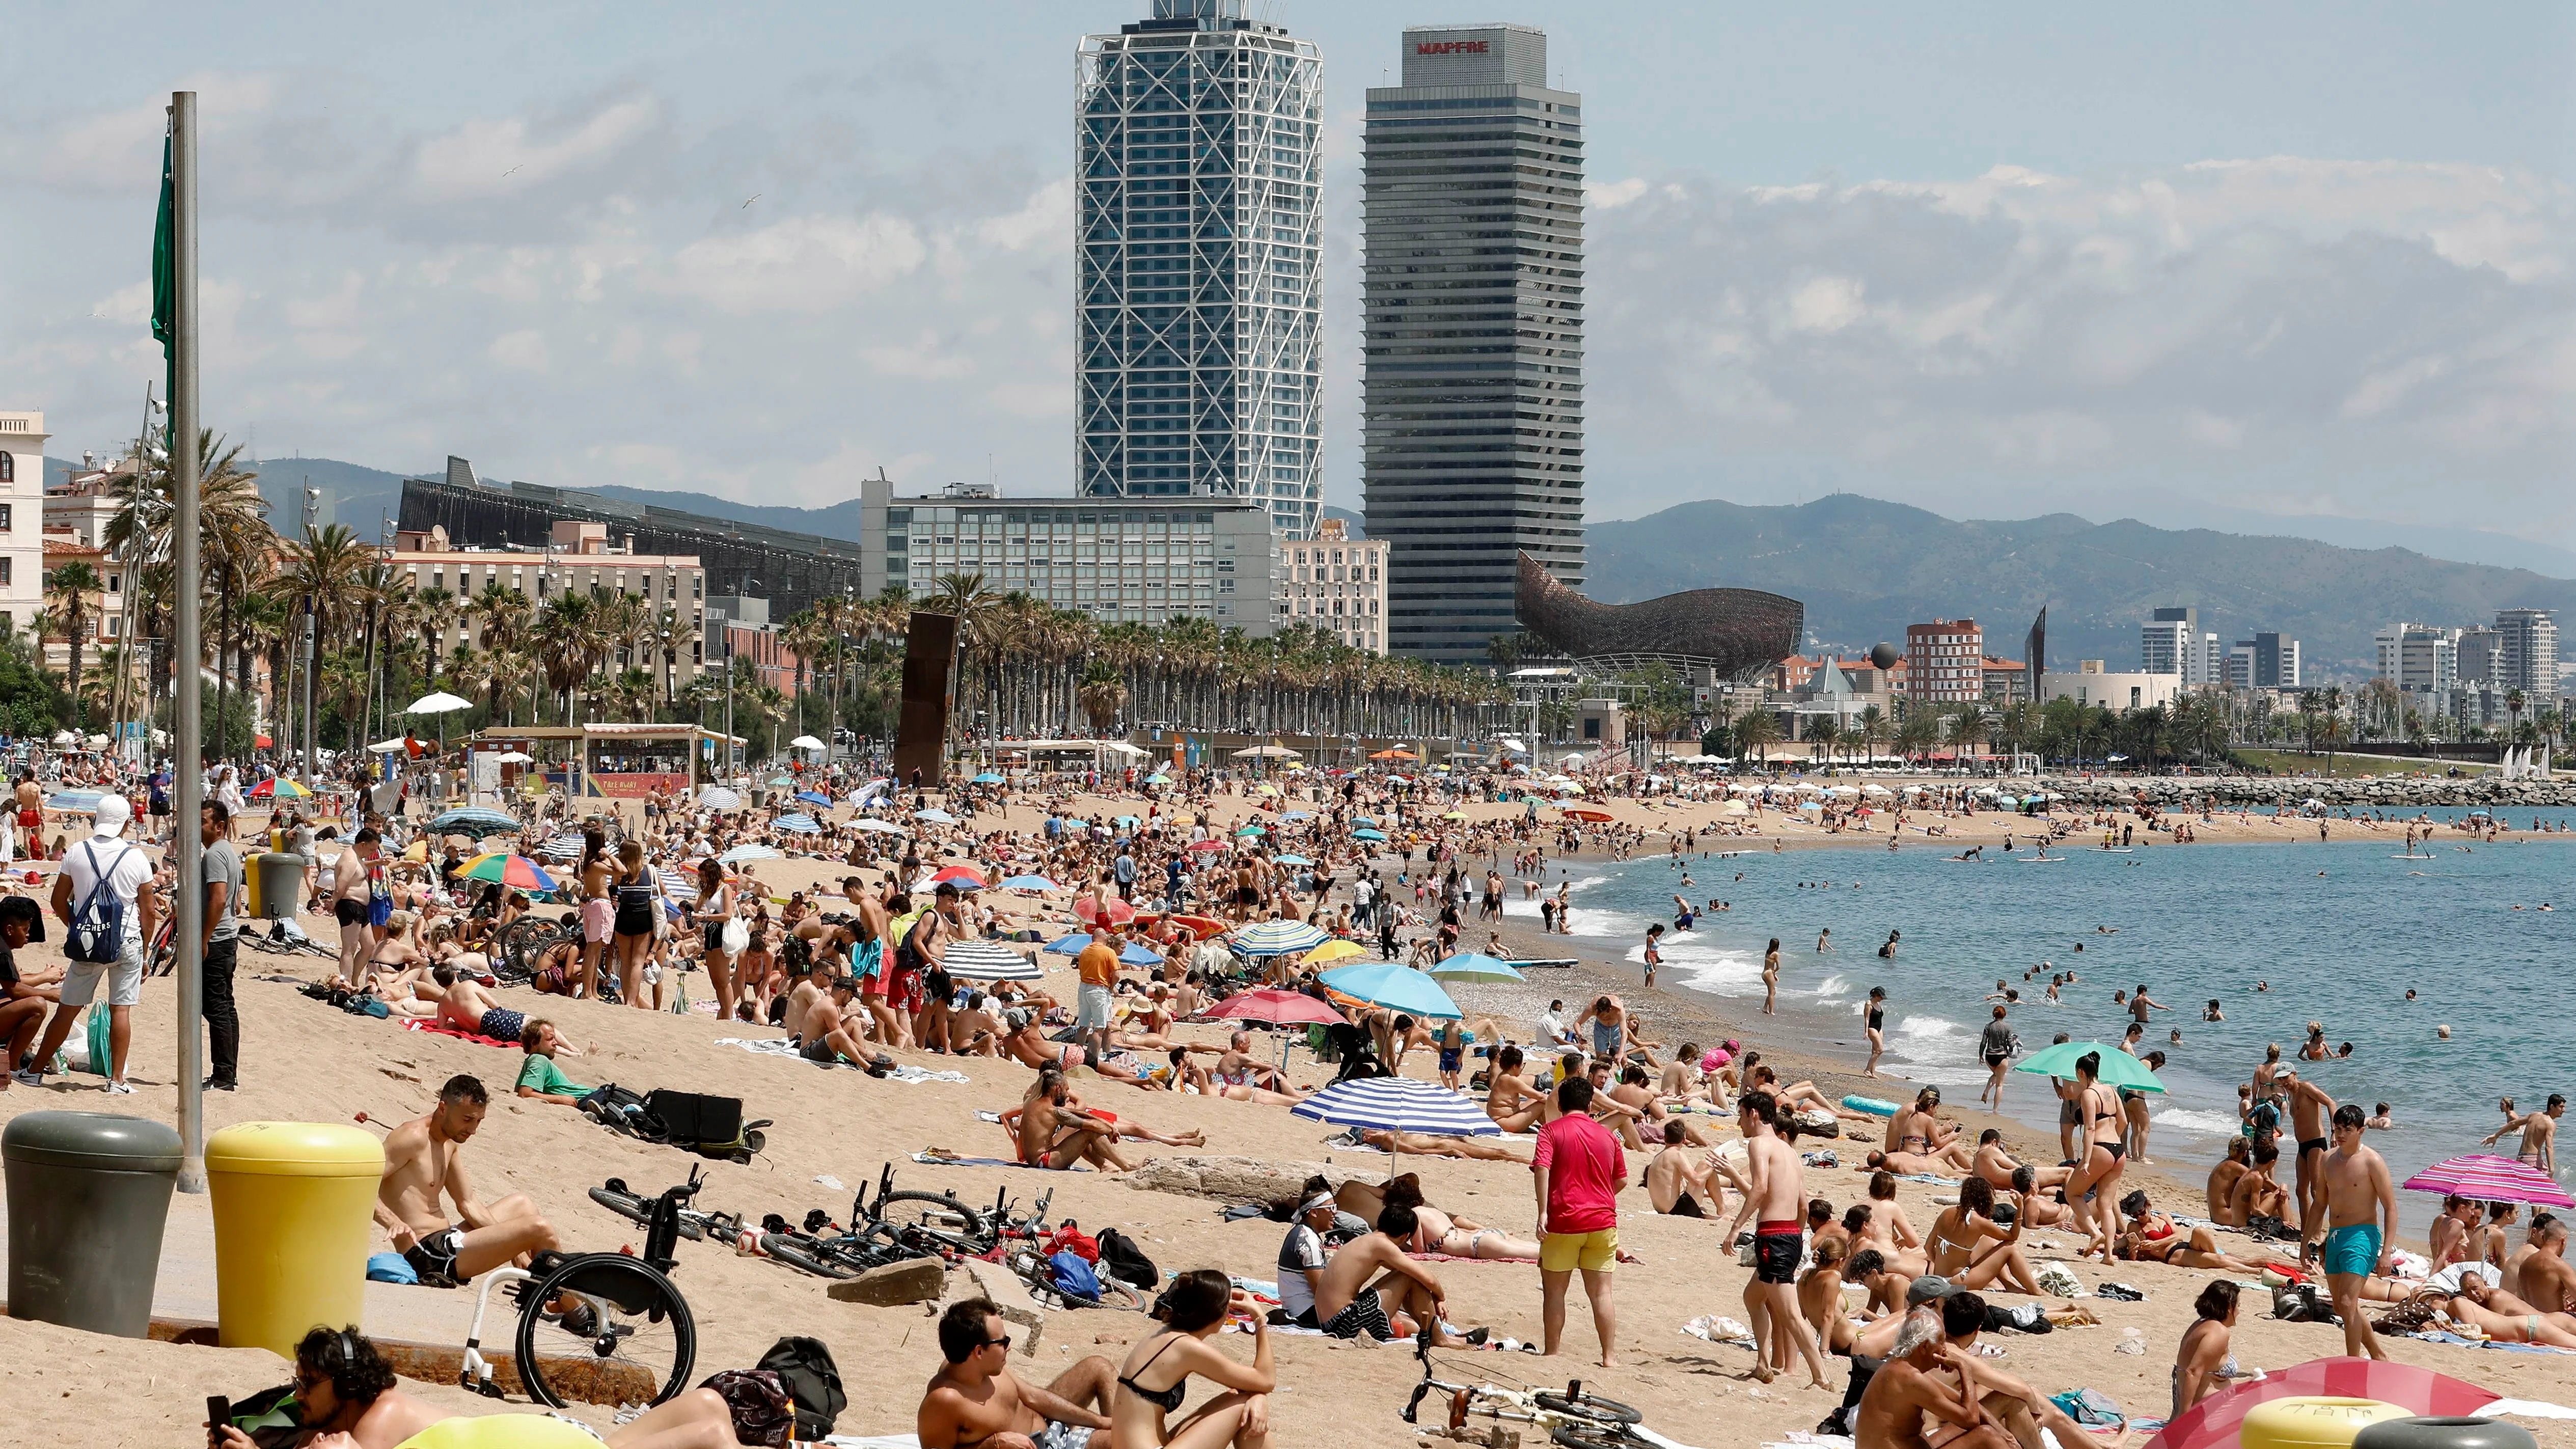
(638, 1209)
(525, 941)
(1575, 1419)
(602, 1327)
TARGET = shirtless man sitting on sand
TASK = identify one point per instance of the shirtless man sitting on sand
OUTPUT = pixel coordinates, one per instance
(826, 1036)
(1406, 1294)
(1997, 1166)
(1190, 1074)
(2539, 1271)
(425, 1158)
(1054, 1134)
(2256, 1194)
(1904, 1392)
(2222, 1178)
(1682, 1182)
(976, 1402)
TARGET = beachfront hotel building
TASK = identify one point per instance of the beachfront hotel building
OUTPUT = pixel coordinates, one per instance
(1141, 561)
(1336, 583)
(1945, 662)
(1471, 333)
(22, 518)
(579, 556)
(1199, 227)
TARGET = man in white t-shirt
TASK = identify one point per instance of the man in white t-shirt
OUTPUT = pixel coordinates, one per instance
(128, 872)
(1301, 1259)
(1552, 1030)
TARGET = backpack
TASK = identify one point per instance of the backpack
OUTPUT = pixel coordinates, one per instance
(620, 1110)
(804, 1366)
(98, 922)
(1074, 1278)
(1126, 1262)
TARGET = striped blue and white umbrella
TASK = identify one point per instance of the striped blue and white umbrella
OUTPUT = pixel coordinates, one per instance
(474, 820)
(1399, 1104)
(988, 961)
(741, 853)
(935, 816)
(1276, 938)
(797, 823)
(719, 798)
(565, 846)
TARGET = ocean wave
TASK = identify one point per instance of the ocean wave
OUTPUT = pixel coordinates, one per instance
(1833, 988)
(1931, 1040)
(2186, 1119)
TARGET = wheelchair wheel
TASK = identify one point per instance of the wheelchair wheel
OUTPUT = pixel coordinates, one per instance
(604, 1328)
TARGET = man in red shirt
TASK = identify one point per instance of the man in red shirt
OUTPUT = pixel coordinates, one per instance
(1579, 1169)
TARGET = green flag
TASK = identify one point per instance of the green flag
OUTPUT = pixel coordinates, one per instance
(165, 289)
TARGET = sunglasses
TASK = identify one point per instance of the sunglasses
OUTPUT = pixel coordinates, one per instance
(1003, 1343)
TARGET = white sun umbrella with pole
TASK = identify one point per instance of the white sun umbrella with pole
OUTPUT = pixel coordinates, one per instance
(804, 742)
(988, 961)
(1397, 1104)
(442, 704)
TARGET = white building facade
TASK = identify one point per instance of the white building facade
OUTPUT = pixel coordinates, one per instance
(1336, 583)
(22, 517)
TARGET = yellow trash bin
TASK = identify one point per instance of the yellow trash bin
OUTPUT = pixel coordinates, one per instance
(294, 1218)
(2313, 1422)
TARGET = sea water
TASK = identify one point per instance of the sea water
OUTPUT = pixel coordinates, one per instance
(2337, 931)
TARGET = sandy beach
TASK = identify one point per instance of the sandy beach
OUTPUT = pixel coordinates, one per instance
(306, 1061)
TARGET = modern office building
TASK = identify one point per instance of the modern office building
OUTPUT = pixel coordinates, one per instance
(2276, 662)
(2091, 685)
(1945, 662)
(1472, 333)
(2529, 659)
(2172, 642)
(2421, 659)
(22, 518)
(1200, 239)
(1336, 583)
(2481, 657)
(1136, 562)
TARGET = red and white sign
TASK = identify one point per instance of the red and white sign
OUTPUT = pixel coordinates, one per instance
(1451, 47)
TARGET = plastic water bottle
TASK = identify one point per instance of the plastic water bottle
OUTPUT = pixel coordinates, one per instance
(2132, 1341)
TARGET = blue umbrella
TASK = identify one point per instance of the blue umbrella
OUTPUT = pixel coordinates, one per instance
(1369, 820)
(935, 816)
(1293, 860)
(1298, 815)
(1276, 938)
(1368, 835)
(74, 802)
(1396, 987)
(1250, 829)
(1129, 820)
(1136, 955)
(986, 778)
(1028, 883)
(1475, 966)
(1397, 1104)
(798, 824)
(814, 797)
(1072, 945)
(475, 820)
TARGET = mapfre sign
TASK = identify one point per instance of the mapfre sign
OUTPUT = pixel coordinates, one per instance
(1452, 47)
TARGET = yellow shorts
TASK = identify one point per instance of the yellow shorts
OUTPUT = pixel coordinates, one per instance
(1593, 1252)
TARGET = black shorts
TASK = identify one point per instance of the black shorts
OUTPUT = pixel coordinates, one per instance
(715, 935)
(1363, 1314)
(635, 922)
(1775, 1257)
(348, 912)
(1686, 1206)
(434, 1257)
(818, 1050)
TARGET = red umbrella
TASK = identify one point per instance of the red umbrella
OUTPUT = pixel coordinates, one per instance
(959, 872)
(1204, 847)
(2489, 1178)
(1085, 909)
(1273, 1005)
(2213, 1422)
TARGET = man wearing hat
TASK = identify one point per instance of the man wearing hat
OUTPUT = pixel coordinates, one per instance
(1301, 1258)
(123, 868)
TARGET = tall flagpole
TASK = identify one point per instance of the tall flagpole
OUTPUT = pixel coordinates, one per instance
(187, 847)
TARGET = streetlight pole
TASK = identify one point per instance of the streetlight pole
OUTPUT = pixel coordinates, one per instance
(186, 843)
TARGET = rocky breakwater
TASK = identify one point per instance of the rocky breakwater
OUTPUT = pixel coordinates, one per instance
(2173, 791)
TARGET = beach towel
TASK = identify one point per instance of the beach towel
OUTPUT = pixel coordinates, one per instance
(941, 1159)
(440, 1029)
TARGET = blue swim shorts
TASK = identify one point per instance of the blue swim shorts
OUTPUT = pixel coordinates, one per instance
(2353, 1249)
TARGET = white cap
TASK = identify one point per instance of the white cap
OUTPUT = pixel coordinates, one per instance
(112, 814)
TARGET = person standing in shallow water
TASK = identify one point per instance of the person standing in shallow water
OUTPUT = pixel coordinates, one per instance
(1876, 1025)
(1771, 977)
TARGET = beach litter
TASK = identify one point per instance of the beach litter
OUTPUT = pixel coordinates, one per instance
(2060, 1279)
(1718, 1328)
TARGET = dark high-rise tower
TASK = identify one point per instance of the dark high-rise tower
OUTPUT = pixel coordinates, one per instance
(1472, 384)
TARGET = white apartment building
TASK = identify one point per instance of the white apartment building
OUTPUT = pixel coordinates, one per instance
(22, 517)
(2419, 658)
(579, 557)
(2529, 659)
(1945, 662)
(1338, 584)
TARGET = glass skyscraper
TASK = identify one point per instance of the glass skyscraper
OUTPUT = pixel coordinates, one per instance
(1200, 230)
(1472, 384)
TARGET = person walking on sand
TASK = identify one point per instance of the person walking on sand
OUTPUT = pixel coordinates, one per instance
(1577, 1172)
(103, 871)
(1654, 951)
(1777, 1202)
(2361, 1209)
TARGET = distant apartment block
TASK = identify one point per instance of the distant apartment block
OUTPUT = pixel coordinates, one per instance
(22, 518)
(2092, 686)
(2418, 658)
(2007, 681)
(1336, 583)
(2529, 656)
(2480, 652)
(1945, 662)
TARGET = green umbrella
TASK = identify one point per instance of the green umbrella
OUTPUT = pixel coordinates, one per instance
(1474, 966)
(2119, 1069)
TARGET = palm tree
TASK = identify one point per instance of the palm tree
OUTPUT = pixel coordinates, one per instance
(1873, 730)
(1917, 733)
(1969, 729)
(327, 569)
(569, 643)
(1756, 733)
(1823, 735)
(1102, 695)
(70, 617)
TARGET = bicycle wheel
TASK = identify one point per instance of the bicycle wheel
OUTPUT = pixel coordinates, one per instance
(604, 1328)
(1588, 1405)
(1587, 1436)
(797, 1251)
(942, 1216)
(638, 1209)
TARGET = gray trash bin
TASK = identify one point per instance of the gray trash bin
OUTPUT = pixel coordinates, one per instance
(89, 1194)
(281, 885)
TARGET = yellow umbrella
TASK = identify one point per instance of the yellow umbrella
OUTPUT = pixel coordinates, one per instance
(1455, 815)
(1334, 950)
(419, 851)
(1265, 789)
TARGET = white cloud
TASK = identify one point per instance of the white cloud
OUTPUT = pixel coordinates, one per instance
(484, 158)
(521, 351)
(808, 263)
(1046, 221)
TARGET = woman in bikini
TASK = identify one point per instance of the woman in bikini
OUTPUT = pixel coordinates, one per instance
(637, 919)
(714, 909)
(1435, 1231)
(1211, 1084)
(598, 908)
(2152, 1237)
(1510, 1100)
(1155, 1377)
(2103, 1125)
(1972, 1250)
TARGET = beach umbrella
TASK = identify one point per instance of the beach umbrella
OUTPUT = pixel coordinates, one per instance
(719, 798)
(1292, 860)
(1364, 821)
(986, 778)
(1378, 835)
(1207, 847)
(1335, 950)
(1586, 812)
(74, 802)
(804, 742)
(935, 816)
(1069, 945)
(440, 702)
(564, 847)
(515, 871)
(1397, 1104)
(2215, 1422)
(2489, 1178)
(988, 961)
(1251, 829)
(2119, 1069)
(814, 797)
(1085, 909)
(472, 820)
(1276, 938)
(964, 875)
(741, 853)
(1028, 883)
(1395, 987)
(797, 823)
(387, 747)
(1279, 1008)
(1298, 815)
(1474, 966)
(279, 788)
(1135, 955)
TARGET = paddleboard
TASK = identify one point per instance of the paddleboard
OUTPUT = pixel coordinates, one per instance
(1872, 1105)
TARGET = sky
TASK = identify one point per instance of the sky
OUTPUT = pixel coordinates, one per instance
(2286, 268)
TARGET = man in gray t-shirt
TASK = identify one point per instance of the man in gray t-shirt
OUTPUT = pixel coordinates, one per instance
(222, 882)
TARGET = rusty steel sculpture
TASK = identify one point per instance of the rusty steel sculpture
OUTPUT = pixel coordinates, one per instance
(1735, 633)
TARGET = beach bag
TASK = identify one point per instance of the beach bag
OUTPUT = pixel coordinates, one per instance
(736, 937)
(2090, 1407)
(804, 1366)
(763, 1414)
(102, 1051)
(1074, 1278)
(98, 922)
(1126, 1262)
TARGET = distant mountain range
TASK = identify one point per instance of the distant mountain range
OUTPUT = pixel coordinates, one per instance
(1866, 568)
